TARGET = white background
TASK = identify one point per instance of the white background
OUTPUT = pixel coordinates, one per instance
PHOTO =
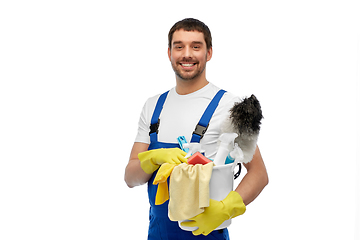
(75, 74)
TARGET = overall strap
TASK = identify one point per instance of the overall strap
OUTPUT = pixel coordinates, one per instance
(155, 121)
(203, 124)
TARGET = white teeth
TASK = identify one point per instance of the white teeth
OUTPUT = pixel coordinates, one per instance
(187, 64)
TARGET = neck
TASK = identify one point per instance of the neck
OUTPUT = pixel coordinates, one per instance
(184, 87)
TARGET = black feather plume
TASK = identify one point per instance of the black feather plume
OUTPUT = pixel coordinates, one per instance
(246, 116)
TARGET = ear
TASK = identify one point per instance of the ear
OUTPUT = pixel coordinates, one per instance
(209, 54)
(169, 54)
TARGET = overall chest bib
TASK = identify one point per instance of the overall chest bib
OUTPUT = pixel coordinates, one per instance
(161, 228)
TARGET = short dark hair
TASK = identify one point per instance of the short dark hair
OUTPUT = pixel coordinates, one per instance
(191, 24)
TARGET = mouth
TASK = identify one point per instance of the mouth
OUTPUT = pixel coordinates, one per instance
(187, 66)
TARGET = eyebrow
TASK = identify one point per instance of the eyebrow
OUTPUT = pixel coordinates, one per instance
(194, 42)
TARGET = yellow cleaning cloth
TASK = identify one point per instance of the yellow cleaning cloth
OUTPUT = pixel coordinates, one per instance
(189, 190)
(162, 193)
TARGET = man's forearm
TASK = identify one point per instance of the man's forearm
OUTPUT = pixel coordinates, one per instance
(250, 187)
(134, 175)
(255, 179)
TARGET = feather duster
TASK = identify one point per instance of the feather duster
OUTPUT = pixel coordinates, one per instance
(245, 120)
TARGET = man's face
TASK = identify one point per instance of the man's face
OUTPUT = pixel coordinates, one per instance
(188, 54)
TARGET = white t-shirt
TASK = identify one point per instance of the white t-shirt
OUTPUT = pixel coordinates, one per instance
(181, 114)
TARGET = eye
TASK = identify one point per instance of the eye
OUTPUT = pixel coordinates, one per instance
(196, 47)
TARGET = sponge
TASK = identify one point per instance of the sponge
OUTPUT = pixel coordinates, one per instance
(198, 158)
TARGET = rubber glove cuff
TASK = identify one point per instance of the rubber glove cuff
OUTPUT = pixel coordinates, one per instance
(147, 163)
(218, 212)
(234, 204)
(151, 160)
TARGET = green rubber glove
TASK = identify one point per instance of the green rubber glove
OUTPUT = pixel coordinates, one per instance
(151, 160)
(217, 213)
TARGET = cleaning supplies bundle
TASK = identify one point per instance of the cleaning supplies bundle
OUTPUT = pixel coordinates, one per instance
(238, 142)
(201, 190)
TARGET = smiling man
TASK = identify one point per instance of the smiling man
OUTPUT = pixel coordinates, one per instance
(181, 111)
(188, 54)
(189, 50)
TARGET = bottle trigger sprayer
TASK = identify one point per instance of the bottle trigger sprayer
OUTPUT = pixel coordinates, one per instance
(237, 154)
(193, 148)
(223, 151)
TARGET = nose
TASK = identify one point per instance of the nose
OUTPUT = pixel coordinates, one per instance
(187, 52)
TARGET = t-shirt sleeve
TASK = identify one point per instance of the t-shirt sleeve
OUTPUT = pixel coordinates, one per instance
(145, 119)
(228, 102)
(143, 126)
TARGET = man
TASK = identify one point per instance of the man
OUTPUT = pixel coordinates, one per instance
(177, 113)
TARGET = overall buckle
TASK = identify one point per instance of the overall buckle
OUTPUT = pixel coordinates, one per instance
(154, 127)
(200, 130)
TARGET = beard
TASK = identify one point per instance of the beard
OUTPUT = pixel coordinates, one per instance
(185, 75)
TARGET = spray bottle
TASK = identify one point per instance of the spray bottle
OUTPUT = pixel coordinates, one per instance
(193, 148)
(223, 151)
(237, 154)
(182, 141)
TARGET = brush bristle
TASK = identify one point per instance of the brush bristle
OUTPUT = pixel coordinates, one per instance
(246, 116)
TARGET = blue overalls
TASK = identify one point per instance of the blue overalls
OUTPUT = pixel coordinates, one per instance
(161, 227)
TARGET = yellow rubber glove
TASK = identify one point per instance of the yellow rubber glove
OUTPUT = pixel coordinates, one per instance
(216, 214)
(162, 193)
(151, 160)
